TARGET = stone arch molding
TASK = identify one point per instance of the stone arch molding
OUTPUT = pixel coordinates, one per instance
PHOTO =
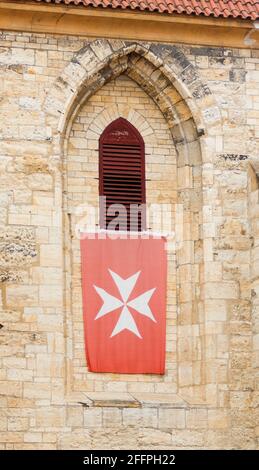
(162, 71)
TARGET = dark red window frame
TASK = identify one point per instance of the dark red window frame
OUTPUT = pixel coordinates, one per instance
(122, 171)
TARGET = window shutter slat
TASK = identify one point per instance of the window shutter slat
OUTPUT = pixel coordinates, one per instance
(122, 171)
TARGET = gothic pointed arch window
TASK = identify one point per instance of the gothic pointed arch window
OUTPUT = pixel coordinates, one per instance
(122, 177)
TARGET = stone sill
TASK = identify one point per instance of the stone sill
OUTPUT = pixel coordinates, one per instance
(127, 400)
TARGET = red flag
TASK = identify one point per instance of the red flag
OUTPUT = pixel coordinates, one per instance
(124, 303)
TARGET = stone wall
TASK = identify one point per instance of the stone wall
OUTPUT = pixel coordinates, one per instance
(198, 112)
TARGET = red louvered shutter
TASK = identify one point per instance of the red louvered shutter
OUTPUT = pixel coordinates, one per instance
(122, 175)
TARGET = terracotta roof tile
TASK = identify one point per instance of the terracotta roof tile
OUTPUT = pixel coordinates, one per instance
(246, 9)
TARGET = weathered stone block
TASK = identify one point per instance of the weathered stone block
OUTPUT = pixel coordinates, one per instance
(112, 417)
(74, 416)
(218, 419)
(50, 255)
(197, 418)
(154, 437)
(50, 417)
(14, 391)
(18, 424)
(21, 296)
(171, 418)
(187, 439)
(37, 390)
(93, 417)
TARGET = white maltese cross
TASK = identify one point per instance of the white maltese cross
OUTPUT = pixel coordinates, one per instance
(140, 304)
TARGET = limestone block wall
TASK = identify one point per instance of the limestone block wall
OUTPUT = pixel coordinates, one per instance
(253, 207)
(202, 104)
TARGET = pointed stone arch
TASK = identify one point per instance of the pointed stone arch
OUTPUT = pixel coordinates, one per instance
(162, 71)
(192, 116)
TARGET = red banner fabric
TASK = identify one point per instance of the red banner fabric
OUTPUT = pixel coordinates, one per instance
(124, 304)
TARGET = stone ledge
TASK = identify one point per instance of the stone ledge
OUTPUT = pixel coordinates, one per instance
(160, 400)
(127, 400)
(134, 400)
(110, 399)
